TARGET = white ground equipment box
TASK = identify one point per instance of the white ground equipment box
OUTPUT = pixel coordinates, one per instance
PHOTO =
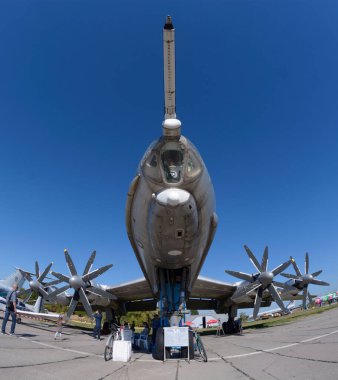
(121, 351)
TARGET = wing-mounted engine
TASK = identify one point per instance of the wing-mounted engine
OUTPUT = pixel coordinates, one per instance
(260, 282)
(301, 281)
(38, 285)
(82, 284)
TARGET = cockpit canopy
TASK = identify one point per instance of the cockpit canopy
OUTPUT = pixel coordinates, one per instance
(172, 161)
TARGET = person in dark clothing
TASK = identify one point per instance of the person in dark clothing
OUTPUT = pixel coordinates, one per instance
(155, 324)
(11, 302)
(97, 328)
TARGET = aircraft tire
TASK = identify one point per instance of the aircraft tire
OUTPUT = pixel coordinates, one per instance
(191, 347)
(158, 353)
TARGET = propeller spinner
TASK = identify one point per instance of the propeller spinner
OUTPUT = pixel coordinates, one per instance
(81, 284)
(302, 281)
(263, 280)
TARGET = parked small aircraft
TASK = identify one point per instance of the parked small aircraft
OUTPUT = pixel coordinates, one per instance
(18, 278)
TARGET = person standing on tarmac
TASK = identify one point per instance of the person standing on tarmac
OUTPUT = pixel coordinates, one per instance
(11, 302)
(155, 324)
(97, 328)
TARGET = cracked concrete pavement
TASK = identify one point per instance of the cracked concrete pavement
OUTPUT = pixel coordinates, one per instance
(305, 349)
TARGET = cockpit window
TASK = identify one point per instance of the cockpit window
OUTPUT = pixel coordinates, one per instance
(151, 167)
(153, 161)
(193, 166)
(172, 161)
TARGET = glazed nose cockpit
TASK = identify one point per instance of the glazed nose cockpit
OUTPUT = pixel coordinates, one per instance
(172, 162)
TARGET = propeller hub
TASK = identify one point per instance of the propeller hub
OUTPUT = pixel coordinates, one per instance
(265, 278)
(34, 285)
(76, 282)
(307, 278)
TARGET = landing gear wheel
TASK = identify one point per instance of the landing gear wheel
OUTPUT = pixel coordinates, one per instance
(158, 353)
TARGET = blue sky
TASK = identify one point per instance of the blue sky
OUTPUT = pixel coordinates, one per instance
(81, 98)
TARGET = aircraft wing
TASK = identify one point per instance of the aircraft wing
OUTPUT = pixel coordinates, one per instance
(205, 294)
(131, 291)
(203, 288)
(207, 288)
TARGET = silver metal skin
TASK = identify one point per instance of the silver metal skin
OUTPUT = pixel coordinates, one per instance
(170, 211)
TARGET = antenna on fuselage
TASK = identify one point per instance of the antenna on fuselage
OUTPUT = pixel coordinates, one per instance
(171, 125)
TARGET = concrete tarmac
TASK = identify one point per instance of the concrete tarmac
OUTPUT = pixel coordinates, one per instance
(306, 349)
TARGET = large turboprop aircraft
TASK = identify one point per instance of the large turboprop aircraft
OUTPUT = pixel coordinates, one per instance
(171, 222)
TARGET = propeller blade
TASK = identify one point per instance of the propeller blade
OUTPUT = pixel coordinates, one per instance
(240, 275)
(283, 285)
(89, 263)
(60, 276)
(295, 267)
(304, 297)
(317, 273)
(287, 275)
(306, 263)
(58, 291)
(257, 303)
(281, 267)
(37, 271)
(253, 259)
(29, 295)
(44, 273)
(70, 264)
(101, 292)
(43, 293)
(90, 276)
(71, 308)
(253, 286)
(310, 296)
(52, 283)
(27, 276)
(85, 302)
(25, 294)
(265, 259)
(317, 282)
(277, 298)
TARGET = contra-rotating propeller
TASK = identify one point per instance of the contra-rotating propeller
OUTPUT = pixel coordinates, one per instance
(302, 281)
(263, 280)
(81, 284)
(38, 285)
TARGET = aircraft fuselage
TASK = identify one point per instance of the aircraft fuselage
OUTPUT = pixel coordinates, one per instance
(170, 214)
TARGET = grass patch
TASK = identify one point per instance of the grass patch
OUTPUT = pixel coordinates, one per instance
(285, 319)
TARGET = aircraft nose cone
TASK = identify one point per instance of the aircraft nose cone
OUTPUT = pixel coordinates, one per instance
(266, 278)
(173, 197)
(75, 282)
